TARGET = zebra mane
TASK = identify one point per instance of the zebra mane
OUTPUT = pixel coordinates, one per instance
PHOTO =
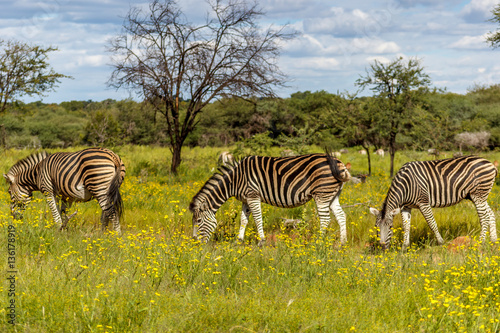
(222, 173)
(27, 163)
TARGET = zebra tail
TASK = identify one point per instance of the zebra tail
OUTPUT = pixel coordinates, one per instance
(332, 162)
(114, 192)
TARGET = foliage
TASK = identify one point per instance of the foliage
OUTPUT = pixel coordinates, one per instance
(477, 140)
(24, 70)
(258, 144)
(493, 38)
(36, 125)
(102, 129)
(300, 140)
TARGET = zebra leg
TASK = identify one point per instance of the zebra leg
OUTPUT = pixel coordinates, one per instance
(406, 215)
(493, 226)
(108, 213)
(429, 218)
(52, 201)
(245, 213)
(340, 216)
(254, 205)
(65, 205)
(486, 217)
(116, 222)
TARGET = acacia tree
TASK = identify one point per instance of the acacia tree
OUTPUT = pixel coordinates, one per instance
(398, 86)
(24, 70)
(361, 124)
(167, 60)
(494, 37)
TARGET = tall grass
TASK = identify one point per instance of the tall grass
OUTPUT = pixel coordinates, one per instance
(155, 278)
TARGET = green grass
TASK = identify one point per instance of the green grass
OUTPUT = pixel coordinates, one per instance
(154, 278)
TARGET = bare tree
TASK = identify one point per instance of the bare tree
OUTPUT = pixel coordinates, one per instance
(179, 66)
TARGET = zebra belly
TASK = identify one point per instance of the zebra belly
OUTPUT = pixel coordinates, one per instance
(300, 200)
(80, 193)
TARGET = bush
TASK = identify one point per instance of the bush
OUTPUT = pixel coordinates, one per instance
(477, 140)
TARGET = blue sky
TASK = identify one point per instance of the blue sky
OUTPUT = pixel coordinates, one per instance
(338, 40)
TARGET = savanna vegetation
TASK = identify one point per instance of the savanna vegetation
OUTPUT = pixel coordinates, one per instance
(155, 278)
(302, 119)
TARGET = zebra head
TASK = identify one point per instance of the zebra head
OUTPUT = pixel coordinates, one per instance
(22, 182)
(384, 223)
(20, 196)
(204, 224)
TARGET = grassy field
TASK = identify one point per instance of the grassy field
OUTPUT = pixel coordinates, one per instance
(155, 278)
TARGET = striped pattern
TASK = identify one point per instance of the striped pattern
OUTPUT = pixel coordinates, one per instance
(438, 183)
(278, 181)
(69, 177)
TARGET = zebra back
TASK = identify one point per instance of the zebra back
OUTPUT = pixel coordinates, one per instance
(279, 181)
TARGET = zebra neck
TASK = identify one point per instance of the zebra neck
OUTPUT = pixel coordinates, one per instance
(31, 181)
(392, 202)
(216, 191)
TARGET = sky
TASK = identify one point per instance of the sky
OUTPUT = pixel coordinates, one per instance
(337, 40)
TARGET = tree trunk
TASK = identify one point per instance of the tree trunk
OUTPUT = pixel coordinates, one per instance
(369, 160)
(3, 136)
(176, 157)
(392, 151)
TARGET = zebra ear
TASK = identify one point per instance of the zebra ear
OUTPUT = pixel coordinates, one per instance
(8, 178)
(396, 211)
(374, 211)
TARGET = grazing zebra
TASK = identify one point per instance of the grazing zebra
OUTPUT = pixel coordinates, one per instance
(278, 181)
(80, 176)
(438, 183)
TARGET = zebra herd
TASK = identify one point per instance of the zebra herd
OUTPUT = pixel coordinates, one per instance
(290, 181)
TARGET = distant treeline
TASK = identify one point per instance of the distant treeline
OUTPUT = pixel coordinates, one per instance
(302, 119)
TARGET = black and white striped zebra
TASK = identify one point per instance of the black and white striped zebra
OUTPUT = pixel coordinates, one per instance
(278, 181)
(69, 177)
(438, 183)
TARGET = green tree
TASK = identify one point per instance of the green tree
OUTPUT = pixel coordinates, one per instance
(494, 37)
(167, 59)
(24, 70)
(399, 87)
(102, 128)
(361, 124)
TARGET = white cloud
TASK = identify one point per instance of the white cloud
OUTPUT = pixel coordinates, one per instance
(382, 60)
(350, 23)
(318, 63)
(478, 10)
(470, 43)
(338, 41)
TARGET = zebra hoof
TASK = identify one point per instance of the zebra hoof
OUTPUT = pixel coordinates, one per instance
(261, 243)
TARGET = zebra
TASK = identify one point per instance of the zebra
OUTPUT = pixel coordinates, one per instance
(68, 177)
(438, 183)
(278, 181)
